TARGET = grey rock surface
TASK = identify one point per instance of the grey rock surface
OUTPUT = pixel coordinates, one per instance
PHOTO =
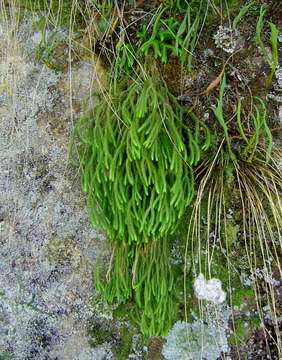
(47, 244)
(204, 338)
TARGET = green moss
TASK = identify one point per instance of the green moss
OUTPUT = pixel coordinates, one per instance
(5, 356)
(240, 332)
(255, 323)
(230, 232)
(220, 271)
(100, 332)
(123, 311)
(242, 329)
(242, 295)
(124, 346)
(128, 328)
(119, 333)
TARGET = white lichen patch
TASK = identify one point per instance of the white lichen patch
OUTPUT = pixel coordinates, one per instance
(276, 94)
(203, 339)
(227, 39)
(278, 75)
(210, 290)
(260, 274)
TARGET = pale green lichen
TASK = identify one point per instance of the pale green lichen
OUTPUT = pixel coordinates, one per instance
(205, 338)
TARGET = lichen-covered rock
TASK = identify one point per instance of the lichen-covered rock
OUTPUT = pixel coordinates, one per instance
(203, 339)
(228, 39)
(47, 245)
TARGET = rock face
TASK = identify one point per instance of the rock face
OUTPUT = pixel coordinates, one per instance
(204, 338)
(47, 245)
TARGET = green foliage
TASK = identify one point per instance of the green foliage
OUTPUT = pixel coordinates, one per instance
(261, 130)
(271, 59)
(170, 36)
(104, 7)
(49, 41)
(137, 151)
(242, 329)
(230, 232)
(259, 28)
(117, 285)
(218, 112)
(104, 10)
(274, 33)
(100, 332)
(243, 11)
(240, 332)
(123, 348)
(5, 356)
(258, 121)
(136, 168)
(154, 288)
(242, 294)
(255, 323)
(142, 272)
(163, 39)
(124, 61)
(136, 155)
(177, 5)
(241, 174)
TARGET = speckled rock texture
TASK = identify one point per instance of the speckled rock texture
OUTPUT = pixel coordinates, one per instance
(47, 245)
(204, 338)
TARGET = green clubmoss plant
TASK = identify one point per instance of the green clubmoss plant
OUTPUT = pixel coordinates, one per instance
(136, 154)
(170, 36)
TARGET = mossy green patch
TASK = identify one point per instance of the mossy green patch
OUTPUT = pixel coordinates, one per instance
(243, 328)
(123, 311)
(118, 330)
(240, 332)
(231, 8)
(255, 323)
(101, 331)
(5, 356)
(242, 295)
(123, 347)
(230, 232)
(128, 328)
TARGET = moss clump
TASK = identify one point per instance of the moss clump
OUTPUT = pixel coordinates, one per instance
(123, 348)
(243, 328)
(101, 331)
(230, 232)
(123, 311)
(5, 356)
(242, 295)
(119, 331)
(240, 332)
(255, 323)
(124, 316)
